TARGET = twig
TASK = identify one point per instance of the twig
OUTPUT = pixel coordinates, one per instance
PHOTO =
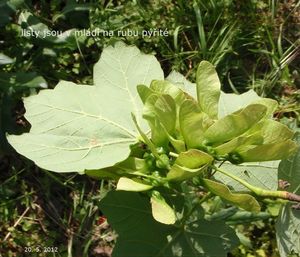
(260, 191)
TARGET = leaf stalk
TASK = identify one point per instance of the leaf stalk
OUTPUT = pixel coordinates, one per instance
(260, 191)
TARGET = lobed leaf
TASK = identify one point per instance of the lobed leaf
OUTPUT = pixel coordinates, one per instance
(75, 127)
(201, 239)
(130, 215)
(119, 71)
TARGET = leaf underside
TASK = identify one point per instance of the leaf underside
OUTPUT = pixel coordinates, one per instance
(76, 127)
(260, 174)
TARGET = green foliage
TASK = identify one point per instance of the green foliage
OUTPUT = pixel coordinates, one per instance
(252, 45)
(52, 144)
(84, 125)
(162, 104)
(130, 215)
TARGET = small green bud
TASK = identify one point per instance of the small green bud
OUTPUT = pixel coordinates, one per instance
(210, 150)
(149, 163)
(155, 182)
(163, 162)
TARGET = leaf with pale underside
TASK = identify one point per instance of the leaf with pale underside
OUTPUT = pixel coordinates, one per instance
(260, 174)
(76, 127)
(230, 103)
(288, 231)
(289, 170)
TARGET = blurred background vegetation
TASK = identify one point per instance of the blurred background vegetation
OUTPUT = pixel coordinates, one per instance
(253, 44)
